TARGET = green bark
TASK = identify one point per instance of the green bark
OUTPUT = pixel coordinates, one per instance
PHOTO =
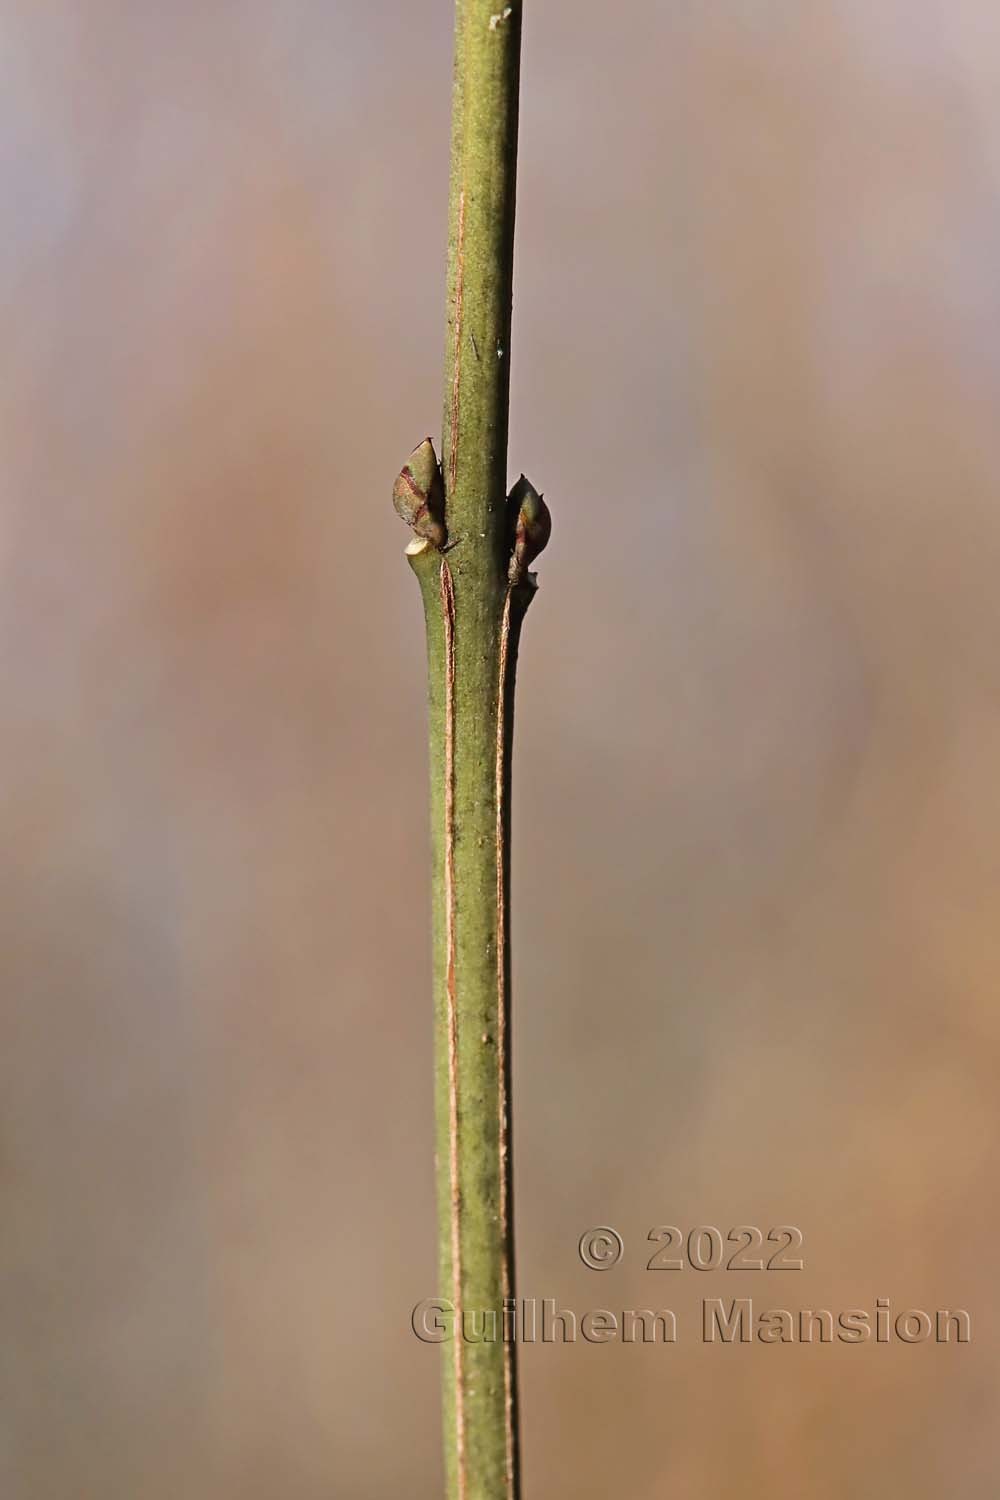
(475, 588)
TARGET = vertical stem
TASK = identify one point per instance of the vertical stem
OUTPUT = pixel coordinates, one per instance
(470, 556)
(471, 729)
(476, 1252)
(474, 1204)
(480, 277)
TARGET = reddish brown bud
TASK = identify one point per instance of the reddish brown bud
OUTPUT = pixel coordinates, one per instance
(418, 494)
(531, 526)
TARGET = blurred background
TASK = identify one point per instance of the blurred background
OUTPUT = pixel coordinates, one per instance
(757, 831)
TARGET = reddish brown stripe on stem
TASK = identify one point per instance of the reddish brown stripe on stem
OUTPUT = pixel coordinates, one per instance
(448, 612)
(503, 1104)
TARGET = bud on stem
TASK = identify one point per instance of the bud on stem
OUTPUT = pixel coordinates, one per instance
(531, 527)
(418, 494)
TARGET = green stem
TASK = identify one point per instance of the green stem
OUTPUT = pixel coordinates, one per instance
(480, 278)
(471, 554)
(470, 727)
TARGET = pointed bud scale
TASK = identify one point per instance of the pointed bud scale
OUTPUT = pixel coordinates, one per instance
(532, 527)
(418, 494)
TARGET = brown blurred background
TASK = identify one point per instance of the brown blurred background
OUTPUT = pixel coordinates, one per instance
(757, 854)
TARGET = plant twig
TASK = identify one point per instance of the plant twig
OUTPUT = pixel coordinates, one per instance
(471, 552)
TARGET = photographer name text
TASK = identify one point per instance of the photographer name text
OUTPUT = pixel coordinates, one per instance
(735, 1320)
